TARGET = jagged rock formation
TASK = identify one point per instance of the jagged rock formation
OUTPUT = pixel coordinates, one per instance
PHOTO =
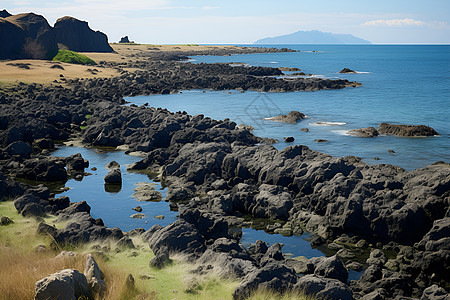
(4, 14)
(124, 40)
(29, 35)
(77, 36)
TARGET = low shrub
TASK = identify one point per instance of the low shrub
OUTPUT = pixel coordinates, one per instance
(72, 57)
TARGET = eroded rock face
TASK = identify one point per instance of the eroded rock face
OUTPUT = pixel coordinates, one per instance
(40, 40)
(12, 39)
(406, 130)
(77, 36)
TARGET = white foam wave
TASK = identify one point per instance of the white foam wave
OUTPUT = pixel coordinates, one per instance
(328, 124)
(341, 132)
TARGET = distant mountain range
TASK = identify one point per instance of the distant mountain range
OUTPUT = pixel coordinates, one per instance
(313, 37)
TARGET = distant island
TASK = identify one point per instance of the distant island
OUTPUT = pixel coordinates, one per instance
(313, 37)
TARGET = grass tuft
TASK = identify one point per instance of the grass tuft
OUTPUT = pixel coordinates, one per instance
(72, 57)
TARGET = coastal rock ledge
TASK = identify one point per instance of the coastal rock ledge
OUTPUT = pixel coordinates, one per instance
(406, 130)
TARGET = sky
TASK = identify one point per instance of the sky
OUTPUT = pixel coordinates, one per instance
(245, 21)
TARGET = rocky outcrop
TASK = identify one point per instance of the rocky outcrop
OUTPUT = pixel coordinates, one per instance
(364, 132)
(4, 14)
(406, 130)
(292, 117)
(124, 40)
(29, 35)
(77, 36)
(40, 40)
(346, 70)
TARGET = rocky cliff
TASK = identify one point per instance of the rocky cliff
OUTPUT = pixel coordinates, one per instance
(29, 35)
(77, 36)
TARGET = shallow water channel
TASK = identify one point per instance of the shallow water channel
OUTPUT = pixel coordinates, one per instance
(115, 207)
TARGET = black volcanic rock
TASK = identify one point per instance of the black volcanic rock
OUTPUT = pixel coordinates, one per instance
(124, 40)
(12, 39)
(77, 36)
(346, 70)
(4, 14)
(40, 40)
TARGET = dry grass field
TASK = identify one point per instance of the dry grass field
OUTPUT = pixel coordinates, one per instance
(40, 71)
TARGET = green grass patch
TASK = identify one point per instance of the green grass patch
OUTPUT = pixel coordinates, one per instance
(72, 57)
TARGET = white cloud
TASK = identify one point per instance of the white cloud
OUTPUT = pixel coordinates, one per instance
(395, 22)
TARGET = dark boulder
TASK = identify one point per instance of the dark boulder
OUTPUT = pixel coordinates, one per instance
(76, 163)
(77, 36)
(273, 276)
(406, 130)
(19, 148)
(114, 176)
(323, 288)
(46, 229)
(161, 258)
(292, 117)
(179, 236)
(272, 254)
(332, 267)
(40, 40)
(43, 144)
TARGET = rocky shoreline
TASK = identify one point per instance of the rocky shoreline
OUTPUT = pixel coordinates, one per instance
(218, 173)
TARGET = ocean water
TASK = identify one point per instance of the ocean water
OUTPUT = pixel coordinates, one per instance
(401, 84)
(115, 208)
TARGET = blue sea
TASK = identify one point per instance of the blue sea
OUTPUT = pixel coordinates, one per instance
(401, 84)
